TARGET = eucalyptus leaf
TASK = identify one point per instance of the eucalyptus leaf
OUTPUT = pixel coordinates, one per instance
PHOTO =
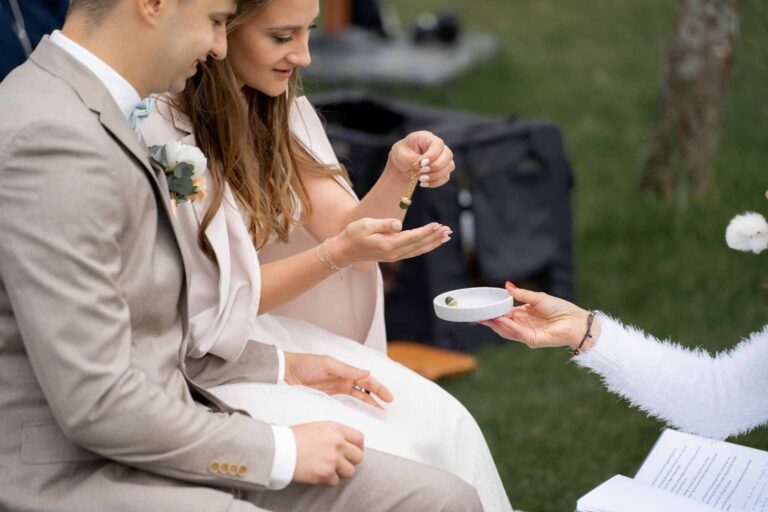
(181, 186)
(157, 153)
(184, 170)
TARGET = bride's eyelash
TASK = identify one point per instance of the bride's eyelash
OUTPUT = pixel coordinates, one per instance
(288, 39)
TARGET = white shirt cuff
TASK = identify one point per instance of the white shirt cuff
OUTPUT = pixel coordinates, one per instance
(280, 367)
(284, 463)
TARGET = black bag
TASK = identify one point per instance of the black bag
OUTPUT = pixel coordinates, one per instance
(508, 206)
(520, 182)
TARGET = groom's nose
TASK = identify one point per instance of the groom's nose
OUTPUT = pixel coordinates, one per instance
(219, 48)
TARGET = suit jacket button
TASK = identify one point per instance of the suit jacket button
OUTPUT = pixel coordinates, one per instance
(242, 471)
(214, 467)
(224, 468)
(233, 469)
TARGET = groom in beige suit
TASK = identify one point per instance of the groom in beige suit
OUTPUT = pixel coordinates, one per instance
(98, 409)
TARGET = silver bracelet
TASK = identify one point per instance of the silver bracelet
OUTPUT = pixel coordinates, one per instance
(325, 257)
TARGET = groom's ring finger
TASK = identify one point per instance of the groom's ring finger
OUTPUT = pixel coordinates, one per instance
(365, 397)
(376, 388)
(367, 390)
(360, 389)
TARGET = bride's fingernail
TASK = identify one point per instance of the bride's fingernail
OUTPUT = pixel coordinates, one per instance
(424, 178)
(510, 284)
(424, 184)
(425, 162)
(425, 170)
(436, 227)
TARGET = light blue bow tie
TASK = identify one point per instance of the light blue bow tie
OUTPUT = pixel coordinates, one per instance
(140, 112)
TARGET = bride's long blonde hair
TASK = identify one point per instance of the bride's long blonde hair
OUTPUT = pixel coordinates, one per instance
(248, 145)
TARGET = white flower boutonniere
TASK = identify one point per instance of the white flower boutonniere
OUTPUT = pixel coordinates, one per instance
(183, 166)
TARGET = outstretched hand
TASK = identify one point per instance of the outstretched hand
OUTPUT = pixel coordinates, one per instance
(383, 240)
(333, 377)
(543, 321)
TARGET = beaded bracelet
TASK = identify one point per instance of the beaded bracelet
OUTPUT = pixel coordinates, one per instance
(326, 257)
(588, 334)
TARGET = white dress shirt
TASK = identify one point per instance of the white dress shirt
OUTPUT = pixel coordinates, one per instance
(124, 94)
(284, 462)
(127, 99)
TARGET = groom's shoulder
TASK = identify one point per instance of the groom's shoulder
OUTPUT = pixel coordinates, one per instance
(31, 98)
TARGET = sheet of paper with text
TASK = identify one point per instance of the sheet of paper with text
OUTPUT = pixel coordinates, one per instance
(723, 475)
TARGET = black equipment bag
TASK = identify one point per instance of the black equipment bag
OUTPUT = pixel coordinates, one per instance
(508, 205)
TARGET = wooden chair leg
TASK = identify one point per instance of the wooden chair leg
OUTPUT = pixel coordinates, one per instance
(430, 362)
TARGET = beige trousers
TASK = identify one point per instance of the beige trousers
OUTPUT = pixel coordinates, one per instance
(382, 483)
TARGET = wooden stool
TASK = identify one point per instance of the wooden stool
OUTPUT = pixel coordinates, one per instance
(430, 362)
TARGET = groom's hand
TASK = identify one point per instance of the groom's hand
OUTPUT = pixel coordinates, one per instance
(333, 377)
(326, 452)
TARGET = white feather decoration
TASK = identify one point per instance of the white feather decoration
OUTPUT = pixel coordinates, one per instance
(747, 232)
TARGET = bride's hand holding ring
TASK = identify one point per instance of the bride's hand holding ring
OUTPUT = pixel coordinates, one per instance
(424, 152)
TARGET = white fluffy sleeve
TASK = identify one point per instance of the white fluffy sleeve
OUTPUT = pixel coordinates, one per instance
(714, 396)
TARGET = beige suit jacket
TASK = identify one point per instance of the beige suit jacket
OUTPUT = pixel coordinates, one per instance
(98, 409)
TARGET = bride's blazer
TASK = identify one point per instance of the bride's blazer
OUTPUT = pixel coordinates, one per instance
(224, 294)
(98, 409)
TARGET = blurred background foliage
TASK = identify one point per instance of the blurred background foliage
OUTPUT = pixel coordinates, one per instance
(594, 67)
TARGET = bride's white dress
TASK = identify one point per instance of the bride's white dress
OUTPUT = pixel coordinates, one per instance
(424, 423)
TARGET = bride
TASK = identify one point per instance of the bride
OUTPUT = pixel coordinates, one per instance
(274, 184)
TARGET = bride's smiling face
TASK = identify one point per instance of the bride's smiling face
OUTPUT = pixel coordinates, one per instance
(265, 52)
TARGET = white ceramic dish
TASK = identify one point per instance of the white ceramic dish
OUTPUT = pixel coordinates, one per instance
(473, 304)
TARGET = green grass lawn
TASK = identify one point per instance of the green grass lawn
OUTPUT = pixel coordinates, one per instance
(593, 67)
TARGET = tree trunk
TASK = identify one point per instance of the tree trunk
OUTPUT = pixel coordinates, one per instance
(699, 61)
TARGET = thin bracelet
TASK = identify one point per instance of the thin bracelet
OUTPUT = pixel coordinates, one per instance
(326, 257)
(588, 334)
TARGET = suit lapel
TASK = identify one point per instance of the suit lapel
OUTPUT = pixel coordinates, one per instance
(114, 121)
(95, 96)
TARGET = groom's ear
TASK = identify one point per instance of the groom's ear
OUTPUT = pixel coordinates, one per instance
(150, 11)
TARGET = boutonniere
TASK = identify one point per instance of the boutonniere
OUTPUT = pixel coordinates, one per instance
(183, 166)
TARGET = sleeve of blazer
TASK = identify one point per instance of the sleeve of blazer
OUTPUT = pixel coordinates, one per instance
(257, 363)
(61, 215)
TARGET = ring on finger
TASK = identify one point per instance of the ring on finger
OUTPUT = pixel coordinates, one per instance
(360, 389)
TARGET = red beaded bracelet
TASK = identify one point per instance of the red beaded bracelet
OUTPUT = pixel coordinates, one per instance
(587, 334)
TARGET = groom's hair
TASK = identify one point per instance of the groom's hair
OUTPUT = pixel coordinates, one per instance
(95, 10)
